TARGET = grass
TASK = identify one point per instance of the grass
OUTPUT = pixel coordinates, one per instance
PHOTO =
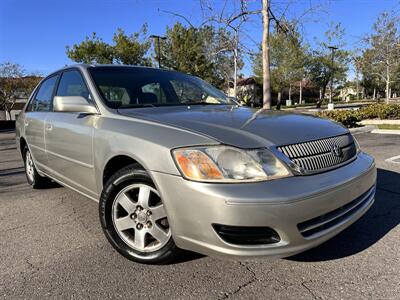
(389, 126)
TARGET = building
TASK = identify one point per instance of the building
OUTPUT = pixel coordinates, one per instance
(348, 93)
(248, 91)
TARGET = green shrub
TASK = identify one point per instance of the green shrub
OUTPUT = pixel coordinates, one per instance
(348, 118)
(389, 111)
(380, 111)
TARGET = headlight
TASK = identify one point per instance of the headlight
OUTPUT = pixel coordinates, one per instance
(228, 164)
(358, 149)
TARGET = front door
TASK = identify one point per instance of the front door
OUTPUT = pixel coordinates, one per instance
(69, 139)
(35, 116)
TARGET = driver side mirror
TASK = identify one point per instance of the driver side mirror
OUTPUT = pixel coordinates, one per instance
(73, 104)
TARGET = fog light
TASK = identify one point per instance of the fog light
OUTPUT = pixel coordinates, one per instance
(246, 235)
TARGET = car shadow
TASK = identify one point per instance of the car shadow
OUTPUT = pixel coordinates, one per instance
(12, 171)
(186, 256)
(382, 217)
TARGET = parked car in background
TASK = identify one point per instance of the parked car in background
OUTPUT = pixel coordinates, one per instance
(175, 164)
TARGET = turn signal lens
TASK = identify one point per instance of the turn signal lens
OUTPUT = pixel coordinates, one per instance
(358, 149)
(196, 165)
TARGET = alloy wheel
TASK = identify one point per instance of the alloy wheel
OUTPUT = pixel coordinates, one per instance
(29, 166)
(140, 219)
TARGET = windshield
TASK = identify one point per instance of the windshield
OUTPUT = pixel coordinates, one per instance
(127, 87)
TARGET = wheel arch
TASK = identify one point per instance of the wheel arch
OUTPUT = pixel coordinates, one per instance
(116, 163)
(22, 144)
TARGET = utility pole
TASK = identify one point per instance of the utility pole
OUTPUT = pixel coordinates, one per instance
(235, 59)
(265, 56)
(301, 92)
(333, 49)
(157, 37)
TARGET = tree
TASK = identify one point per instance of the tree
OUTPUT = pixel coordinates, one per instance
(357, 63)
(265, 56)
(232, 15)
(127, 49)
(132, 49)
(226, 42)
(234, 21)
(370, 80)
(230, 24)
(286, 66)
(90, 51)
(382, 58)
(193, 50)
(14, 83)
(320, 67)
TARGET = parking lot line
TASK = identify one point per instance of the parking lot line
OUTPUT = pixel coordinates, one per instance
(393, 160)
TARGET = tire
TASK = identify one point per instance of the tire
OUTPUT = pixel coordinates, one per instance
(133, 218)
(32, 176)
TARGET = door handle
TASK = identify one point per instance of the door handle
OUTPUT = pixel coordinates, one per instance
(26, 122)
(49, 127)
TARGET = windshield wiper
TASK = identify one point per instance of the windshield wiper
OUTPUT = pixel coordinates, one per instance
(139, 105)
(202, 103)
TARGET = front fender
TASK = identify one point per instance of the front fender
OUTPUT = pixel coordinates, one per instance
(146, 142)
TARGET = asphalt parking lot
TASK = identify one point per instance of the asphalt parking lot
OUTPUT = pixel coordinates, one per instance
(52, 247)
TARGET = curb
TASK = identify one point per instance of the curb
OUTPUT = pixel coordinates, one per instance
(386, 131)
(380, 122)
(365, 129)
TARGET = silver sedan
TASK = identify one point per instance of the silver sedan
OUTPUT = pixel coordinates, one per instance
(175, 164)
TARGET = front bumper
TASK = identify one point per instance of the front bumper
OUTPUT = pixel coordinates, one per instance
(282, 204)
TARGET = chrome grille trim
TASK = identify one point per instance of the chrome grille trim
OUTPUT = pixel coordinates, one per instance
(317, 156)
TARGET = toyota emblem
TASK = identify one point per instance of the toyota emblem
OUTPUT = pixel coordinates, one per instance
(335, 149)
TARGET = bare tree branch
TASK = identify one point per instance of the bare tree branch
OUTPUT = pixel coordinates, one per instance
(177, 15)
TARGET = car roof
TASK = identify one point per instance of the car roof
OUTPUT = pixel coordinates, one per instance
(87, 66)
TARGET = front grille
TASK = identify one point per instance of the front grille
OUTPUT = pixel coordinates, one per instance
(319, 155)
(335, 217)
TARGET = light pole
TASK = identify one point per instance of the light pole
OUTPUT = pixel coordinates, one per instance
(157, 37)
(333, 49)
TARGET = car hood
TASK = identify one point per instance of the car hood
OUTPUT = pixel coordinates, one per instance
(240, 126)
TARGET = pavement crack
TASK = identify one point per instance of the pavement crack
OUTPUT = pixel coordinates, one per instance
(252, 279)
(32, 225)
(13, 228)
(310, 291)
(31, 265)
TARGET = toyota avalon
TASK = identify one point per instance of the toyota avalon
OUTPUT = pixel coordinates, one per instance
(175, 164)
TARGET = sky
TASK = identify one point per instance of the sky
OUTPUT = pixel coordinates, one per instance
(34, 33)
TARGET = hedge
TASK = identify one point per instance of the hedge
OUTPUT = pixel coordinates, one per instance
(350, 118)
(380, 111)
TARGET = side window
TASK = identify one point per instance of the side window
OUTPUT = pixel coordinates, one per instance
(72, 84)
(44, 95)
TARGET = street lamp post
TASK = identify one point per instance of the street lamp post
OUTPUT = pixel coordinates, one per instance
(333, 49)
(157, 37)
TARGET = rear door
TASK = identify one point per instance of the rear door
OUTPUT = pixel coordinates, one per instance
(69, 138)
(35, 116)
